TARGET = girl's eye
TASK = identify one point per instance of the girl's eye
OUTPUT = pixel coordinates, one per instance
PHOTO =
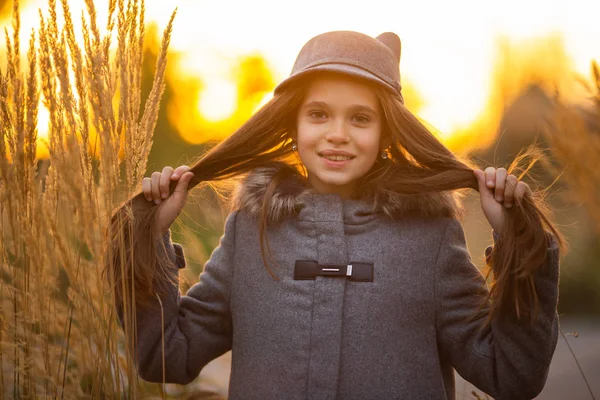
(317, 114)
(361, 119)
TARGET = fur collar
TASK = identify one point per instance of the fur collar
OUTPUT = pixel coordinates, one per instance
(289, 193)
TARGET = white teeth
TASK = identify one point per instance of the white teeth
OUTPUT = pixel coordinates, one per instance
(337, 158)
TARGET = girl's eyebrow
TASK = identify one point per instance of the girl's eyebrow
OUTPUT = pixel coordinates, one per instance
(353, 107)
(361, 107)
(317, 104)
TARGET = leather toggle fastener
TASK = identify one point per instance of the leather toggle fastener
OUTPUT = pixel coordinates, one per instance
(309, 270)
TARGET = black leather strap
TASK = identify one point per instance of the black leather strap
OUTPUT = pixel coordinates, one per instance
(309, 270)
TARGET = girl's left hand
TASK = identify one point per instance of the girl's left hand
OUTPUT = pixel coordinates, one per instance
(498, 190)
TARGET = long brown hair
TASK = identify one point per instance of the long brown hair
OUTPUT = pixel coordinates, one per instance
(137, 264)
(423, 164)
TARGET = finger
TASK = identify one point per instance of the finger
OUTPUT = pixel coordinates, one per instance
(182, 185)
(522, 190)
(500, 183)
(484, 191)
(480, 175)
(155, 189)
(147, 188)
(179, 171)
(165, 180)
(490, 177)
(509, 190)
(181, 189)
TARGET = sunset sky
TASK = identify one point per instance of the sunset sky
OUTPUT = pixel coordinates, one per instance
(449, 48)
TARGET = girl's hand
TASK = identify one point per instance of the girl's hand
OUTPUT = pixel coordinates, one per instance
(498, 190)
(156, 189)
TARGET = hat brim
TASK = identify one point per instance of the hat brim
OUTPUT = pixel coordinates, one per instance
(338, 68)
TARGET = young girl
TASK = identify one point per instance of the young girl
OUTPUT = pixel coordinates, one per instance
(345, 275)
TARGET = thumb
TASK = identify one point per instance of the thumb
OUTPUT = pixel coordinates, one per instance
(182, 185)
(484, 191)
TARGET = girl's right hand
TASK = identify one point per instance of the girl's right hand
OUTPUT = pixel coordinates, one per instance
(156, 189)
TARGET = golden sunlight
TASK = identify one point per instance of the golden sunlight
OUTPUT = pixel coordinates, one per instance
(462, 60)
(450, 63)
(43, 122)
(217, 100)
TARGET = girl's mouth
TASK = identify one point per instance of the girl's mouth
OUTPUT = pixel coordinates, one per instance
(336, 161)
(337, 158)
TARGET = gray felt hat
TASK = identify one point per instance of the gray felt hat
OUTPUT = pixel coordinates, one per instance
(353, 53)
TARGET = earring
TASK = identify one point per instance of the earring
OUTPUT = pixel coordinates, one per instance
(384, 154)
(294, 146)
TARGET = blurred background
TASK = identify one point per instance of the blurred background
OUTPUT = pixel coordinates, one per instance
(490, 78)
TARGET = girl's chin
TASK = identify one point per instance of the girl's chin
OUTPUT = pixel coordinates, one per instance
(332, 184)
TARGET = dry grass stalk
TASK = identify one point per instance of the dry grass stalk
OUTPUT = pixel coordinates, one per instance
(575, 138)
(58, 332)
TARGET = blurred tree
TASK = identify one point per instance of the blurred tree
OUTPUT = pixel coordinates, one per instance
(519, 104)
(253, 80)
(520, 126)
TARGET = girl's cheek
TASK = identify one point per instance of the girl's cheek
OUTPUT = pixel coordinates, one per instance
(309, 135)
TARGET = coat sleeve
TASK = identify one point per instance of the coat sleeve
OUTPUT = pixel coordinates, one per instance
(197, 326)
(509, 358)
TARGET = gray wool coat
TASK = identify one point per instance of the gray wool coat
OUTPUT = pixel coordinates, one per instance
(399, 336)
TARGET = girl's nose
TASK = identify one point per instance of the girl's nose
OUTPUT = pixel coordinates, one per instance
(338, 133)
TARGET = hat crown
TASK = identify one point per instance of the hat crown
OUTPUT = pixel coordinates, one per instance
(379, 56)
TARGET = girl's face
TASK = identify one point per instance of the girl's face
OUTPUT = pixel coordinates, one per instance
(338, 133)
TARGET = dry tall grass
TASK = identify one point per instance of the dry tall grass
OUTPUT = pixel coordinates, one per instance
(574, 134)
(58, 333)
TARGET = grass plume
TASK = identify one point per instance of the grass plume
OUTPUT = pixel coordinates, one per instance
(58, 333)
(574, 135)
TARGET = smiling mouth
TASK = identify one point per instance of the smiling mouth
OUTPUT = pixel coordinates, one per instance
(338, 158)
